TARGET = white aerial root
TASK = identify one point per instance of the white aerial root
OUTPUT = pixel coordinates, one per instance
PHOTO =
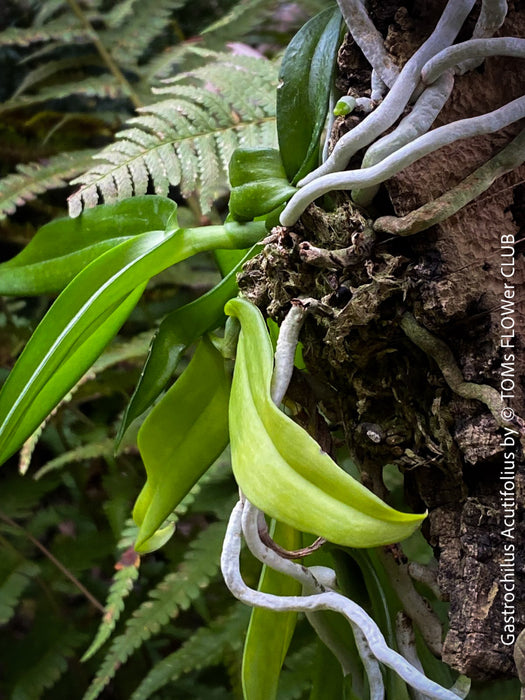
(406, 643)
(378, 87)
(437, 210)
(315, 579)
(369, 40)
(433, 64)
(473, 49)
(286, 346)
(422, 146)
(423, 114)
(397, 99)
(491, 18)
(327, 600)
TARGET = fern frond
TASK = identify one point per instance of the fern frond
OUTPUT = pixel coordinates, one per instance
(65, 28)
(188, 139)
(45, 11)
(205, 648)
(91, 450)
(102, 86)
(120, 13)
(123, 351)
(243, 17)
(15, 579)
(50, 68)
(50, 666)
(174, 593)
(120, 588)
(143, 25)
(32, 179)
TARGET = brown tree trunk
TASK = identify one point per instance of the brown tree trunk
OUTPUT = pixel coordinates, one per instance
(390, 397)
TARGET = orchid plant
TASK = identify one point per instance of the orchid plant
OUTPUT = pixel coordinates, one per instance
(101, 262)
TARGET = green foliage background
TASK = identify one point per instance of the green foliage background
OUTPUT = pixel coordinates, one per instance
(69, 579)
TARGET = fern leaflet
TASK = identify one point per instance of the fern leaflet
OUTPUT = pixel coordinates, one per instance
(122, 584)
(103, 86)
(65, 28)
(174, 593)
(242, 18)
(91, 450)
(49, 667)
(120, 13)
(204, 648)
(142, 26)
(188, 139)
(293, 681)
(34, 178)
(15, 581)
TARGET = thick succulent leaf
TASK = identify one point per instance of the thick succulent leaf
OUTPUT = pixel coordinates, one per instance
(181, 438)
(270, 632)
(176, 333)
(259, 183)
(305, 80)
(62, 248)
(283, 471)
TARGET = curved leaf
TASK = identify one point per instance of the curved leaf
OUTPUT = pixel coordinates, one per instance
(176, 333)
(305, 80)
(65, 246)
(88, 314)
(282, 470)
(182, 436)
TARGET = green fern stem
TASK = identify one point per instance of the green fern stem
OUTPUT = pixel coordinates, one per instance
(105, 55)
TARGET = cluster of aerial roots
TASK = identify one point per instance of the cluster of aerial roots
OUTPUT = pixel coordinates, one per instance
(424, 85)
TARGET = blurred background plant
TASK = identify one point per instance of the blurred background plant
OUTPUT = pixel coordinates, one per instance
(73, 73)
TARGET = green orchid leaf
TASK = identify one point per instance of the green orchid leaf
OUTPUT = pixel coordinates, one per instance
(181, 438)
(259, 183)
(178, 330)
(43, 375)
(304, 90)
(282, 470)
(327, 682)
(252, 164)
(46, 371)
(226, 260)
(256, 199)
(270, 632)
(65, 246)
